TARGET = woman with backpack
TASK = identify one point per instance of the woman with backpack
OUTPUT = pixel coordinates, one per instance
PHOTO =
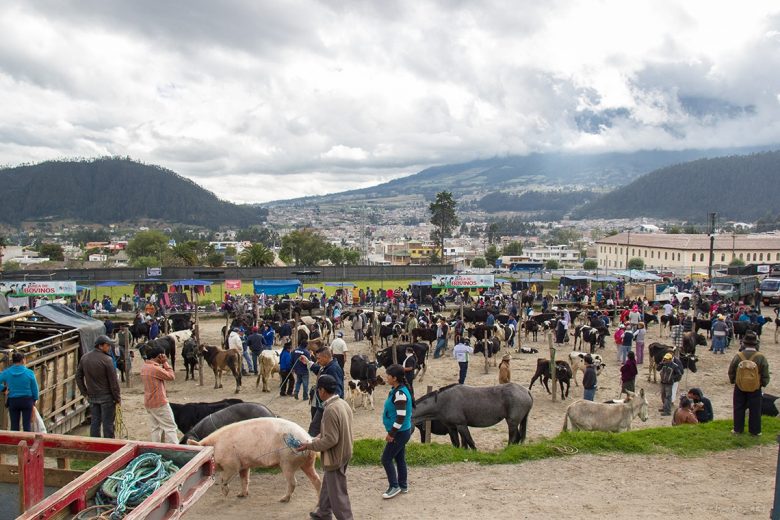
(748, 372)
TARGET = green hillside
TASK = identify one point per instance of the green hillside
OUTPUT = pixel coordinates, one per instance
(112, 190)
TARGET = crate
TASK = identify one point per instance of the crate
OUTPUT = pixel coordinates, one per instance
(71, 490)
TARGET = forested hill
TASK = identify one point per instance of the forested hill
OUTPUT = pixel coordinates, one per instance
(113, 190)
(743, 187)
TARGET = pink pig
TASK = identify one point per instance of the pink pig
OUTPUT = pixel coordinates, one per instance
(260, 443)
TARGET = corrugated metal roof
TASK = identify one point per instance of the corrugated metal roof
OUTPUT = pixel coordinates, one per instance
(694, 242)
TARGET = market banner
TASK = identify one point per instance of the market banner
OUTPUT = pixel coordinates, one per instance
(233, 285)
(28, 288)
(462, 281)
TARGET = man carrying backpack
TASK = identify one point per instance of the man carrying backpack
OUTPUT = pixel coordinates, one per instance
(669, 373)
(748, 372)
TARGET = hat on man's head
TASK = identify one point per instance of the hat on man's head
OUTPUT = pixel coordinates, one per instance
(668, 356)
(751, 340)
(328, 383)
(340, 334)
(104, 339)
(721, 317)
(588, 359)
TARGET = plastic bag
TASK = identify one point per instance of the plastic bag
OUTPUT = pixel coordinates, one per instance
(37, 422)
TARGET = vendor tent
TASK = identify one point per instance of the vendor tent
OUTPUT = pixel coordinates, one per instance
(111, 283)
(605, 279)
(189, 283)
(339, 284)
(89, 328)
(636, 274)
(276, 287)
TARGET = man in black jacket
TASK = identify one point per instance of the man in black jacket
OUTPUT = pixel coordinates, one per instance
(702, 406)
(589, 380)
(97, 381)
(326, 364)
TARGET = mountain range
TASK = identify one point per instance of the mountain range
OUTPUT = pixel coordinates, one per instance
(114, 190)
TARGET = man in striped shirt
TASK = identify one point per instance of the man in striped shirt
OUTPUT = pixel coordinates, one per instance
(155, 372)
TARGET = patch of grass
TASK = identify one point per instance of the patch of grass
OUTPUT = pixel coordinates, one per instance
(688, 440)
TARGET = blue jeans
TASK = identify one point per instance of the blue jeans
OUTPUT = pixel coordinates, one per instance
(253, 366)
(441, 344)
(624, 350)
(464, 367)
(103, 414)
(247, 359)
(302, 380)
(589, 393)
(395, 452)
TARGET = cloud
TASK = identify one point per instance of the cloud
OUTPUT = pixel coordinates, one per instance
(328, 96)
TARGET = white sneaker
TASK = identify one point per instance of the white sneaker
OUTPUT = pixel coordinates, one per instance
(391, 492)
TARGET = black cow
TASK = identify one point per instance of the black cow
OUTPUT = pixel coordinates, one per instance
(657, 351)
(438, 428)
(190, 355)
(703, 324)
(590, 335)
(531, 327)
(167, 343)
(669, 321)
(769, 404)
(138, 330)
(494, 347)
(361, 369)
(385, 357)
(563, 374)
(180, 322)
(742, 327)
(188, 415)
(388, 331)
(232, 414)
(425, 333)
(475, 315)
(542, 317)
(650, 318)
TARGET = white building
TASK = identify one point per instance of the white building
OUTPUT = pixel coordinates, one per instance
(562, 253)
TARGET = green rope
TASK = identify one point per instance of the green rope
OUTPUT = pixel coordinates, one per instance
(134, 483)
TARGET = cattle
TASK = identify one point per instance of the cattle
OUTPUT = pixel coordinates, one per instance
(577, 361)
(220, 360)
(668, 321)
(385, 357)
(769, 405)
(531, 327)
(425, 333)
(493, 348)
(475, 315)
(563, 374)
(180, 321)
(503, 333)
(187, 415)
(261, 443)
(542, 317)
(361, 369)
(439, 428)
(138, 330)
(228, 415)
(699, 324)
(742, 327)
(189, 354)
(650, 318)
(590, 416)
(363, 390)
(527, 350)
(169, 344)
(269, 364)
(585, 333)
(657, 351)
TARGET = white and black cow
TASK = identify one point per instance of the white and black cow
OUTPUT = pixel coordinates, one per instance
(577, 359)
(563, 375)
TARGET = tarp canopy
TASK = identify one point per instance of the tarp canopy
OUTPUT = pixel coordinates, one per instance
(423, 283)
(89, 328)
(636, 274)
(111, 283)
(340, 284)
(276, 287)
(528, 280)
(312, 290)
(605, 279)
(575, 278)
(503, 280)
(188, 283)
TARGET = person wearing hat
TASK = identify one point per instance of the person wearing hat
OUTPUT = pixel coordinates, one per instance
(668, 366)
(410, 365)
(504, 372)
(97, 381)
(335, 443)
(748, 362)
(339, 348)
(22, 387)
(589, 379)
(719, 333)
(236, 342)
(154, 373)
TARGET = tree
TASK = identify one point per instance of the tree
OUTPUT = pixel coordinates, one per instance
(563, 236)
(142, 262)
(352, 256)
(479, 263)
(636, 263)
(590, 264)
(492, 232)
(231, 251)
(513, 248)
(186, 252)
(737, 262)
(258, 234)
(551, 264)
(491, 255)
(434, 258)
(443, 218)
(147, 244)
(303, 247)
(256, 255)
(12, 265)
(214, 259)
(54, 252)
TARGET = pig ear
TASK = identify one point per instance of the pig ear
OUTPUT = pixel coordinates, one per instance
(192, 442)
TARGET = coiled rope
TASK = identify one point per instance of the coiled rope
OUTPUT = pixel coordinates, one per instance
(134, 483)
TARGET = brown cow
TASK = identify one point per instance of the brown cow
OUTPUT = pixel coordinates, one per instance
(220, 360)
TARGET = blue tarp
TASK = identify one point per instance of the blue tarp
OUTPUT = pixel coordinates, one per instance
(636, 274)
(422, 283)
(188, 283)
(340, 284)
(605, 279)
(276, 287)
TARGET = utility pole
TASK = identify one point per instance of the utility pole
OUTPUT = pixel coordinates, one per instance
(712, 244)
(628, 242)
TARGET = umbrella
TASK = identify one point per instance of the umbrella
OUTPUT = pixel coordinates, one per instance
(111, 283)
(183, 283)
(339, 284)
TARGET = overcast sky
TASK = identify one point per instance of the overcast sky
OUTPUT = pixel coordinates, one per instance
(259, 100)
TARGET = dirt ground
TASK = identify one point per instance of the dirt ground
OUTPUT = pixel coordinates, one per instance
(692, 484)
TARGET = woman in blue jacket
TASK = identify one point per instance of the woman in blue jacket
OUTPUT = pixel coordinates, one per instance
(397, 419)
(22, 389)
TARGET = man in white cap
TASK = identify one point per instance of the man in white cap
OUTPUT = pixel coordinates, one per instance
(339, 348)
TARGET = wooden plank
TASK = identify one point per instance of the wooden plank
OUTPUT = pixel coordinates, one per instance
(30, 460)
(9, 473)
(60, 453)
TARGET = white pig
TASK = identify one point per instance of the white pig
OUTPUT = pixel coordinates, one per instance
(260, 443)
